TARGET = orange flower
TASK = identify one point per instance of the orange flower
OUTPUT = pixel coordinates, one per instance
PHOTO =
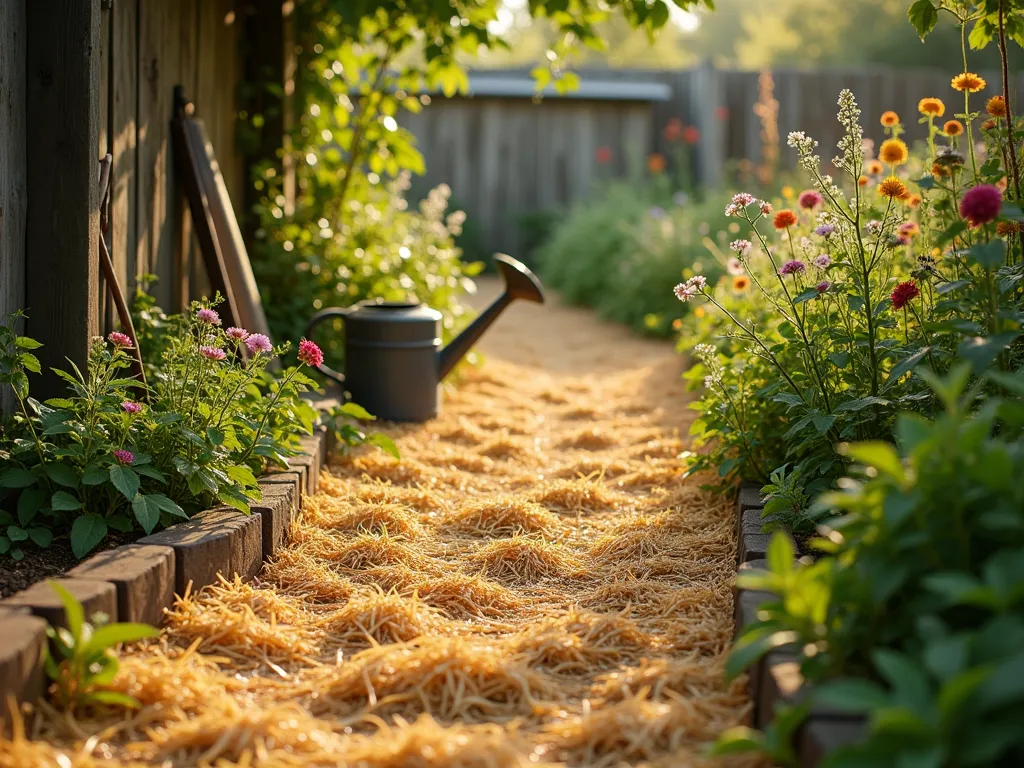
(893, 152)
(890, 118)
(892, 188)
(656, 162)
(996, 107)
(784, 218)
(1005, 228)
(862, 181)
(873, 167)
(914, 201)
(740, 283)
(677, 324)
(603, 155)
(932, 107)
(673, 129)
(968, 81)
(989, 124)
(939, 171)
(953, 128)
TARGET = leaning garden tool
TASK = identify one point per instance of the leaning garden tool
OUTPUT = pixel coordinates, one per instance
(394, 362)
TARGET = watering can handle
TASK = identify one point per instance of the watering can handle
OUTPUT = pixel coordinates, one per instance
(319, 317)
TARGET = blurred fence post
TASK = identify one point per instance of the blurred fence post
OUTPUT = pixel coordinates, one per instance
(707, 99)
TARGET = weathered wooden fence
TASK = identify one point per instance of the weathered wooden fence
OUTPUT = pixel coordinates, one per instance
(507, 155)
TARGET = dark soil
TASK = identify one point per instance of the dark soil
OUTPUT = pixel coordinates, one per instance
(55, 560)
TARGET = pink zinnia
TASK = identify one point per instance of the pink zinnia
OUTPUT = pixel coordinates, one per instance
(981, 204)
(123, 456)
(131, 407)
(822, 261)
(208, 316)
(212, 353)
(238, 334)
(119, 339)
(257, 343)
(310, 353)
(904, 293)
(823, 286)
(793, 267)
(810, 199)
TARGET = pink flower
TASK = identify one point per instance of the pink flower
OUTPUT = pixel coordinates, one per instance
(131, 407)
(310, 353)
(904, 293)
(119, 339)
(794, 267)
(692, 287)
(823, 286)
(981, 204)
(810, 199)
(257, 343)
(212, 353)
(238, 334)
(208, 316)
(766, 208)
(742, 247)
(732, 209)
(822, 261)
(123, 456)
(743, 199)
(734, 267)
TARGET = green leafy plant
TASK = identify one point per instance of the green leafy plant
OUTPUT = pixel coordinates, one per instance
(81, 661)
(343, 421)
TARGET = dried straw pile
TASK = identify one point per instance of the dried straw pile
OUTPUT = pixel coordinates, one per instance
(535, 584)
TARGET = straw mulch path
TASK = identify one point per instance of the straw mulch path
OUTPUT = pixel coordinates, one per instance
(535, 583)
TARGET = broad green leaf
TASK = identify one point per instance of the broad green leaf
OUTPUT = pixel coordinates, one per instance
(113, 698)
(851, 695)
(29, 502)
(164, 504)
(110, 635)
(125, 480)
(62, 474)
(752, 645)
(215, 436)
(146, 512)
(63, 501)
(41, 537)
(357, 411)
(385, 443)
(981, 351)
(5, 545)
(95, 475)
(780, 554)
(880, 455)
(861, 403)
(16, 477)
(990, 255)
(16, 533)
(25, 342)
(736, 740)
(86, 532)
(73, 611)
(923, 16)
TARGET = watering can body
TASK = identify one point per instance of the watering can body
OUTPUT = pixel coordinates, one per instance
(394, 362)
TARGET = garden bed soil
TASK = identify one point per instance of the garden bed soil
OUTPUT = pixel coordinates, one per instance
(52, 562)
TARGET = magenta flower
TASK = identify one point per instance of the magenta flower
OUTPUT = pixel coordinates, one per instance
(131, 407)
(794, 267)
(257, 343)
(310, 353)
(810, 199)
(822, 261)
(981, 204)
(238, 334)
(122, 340)
(212, 353)
(208, 316)
(823, 286)
(123, 456)
(904, 293)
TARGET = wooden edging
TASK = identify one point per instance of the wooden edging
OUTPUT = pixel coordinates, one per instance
(776, 680)
(138, 581)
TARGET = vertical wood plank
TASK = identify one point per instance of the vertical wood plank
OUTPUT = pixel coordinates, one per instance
(62, 224)
(13, 181)
(184, 251)
(123, 127)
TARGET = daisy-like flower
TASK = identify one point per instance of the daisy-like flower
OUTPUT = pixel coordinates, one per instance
(208, 316)
(892, 188)
(784, 218)
(742, 247)
(889, 119)
(825, 230)
(121, 340)
(823, 286)
(311, 354)
(124, 457)
(989, 125)
(743, 199)
(904, 293)
(258, 343)
(981, 204)
(873, 167)
(996, 106)
(874, 226)
(794, 267)
(822, 261)
(740, 283)
(212, 353)
(810, 199)
(734, 267)
(931, 107)
(953, 128)
(1004, 228)
(893, 152)
(129, 406)
(968, 81)
(238, 334)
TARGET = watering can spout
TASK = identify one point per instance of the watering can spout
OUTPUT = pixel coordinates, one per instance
(520, 283)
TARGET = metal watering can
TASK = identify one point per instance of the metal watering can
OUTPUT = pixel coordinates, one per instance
(394, 362)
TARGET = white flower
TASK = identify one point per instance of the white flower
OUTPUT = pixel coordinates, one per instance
(742, 247)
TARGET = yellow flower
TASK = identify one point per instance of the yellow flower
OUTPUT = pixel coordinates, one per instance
(890, 118)
(996, 106)
(953, 128)
(892, 188)
(740, 283)
(893, 152)
(698, 312)
(873, 167)
(968, 81)
(931, 106)
(788, 192)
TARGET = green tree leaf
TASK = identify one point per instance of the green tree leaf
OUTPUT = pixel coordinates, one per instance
(923, 16)
(385, 443)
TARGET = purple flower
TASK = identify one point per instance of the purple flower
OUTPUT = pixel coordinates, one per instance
(131, 407)
(825, 230)
(123, 456)
(121, 340)
(794, 267)
(823, 286)
(809, 199)
(238, 334)
(310, 353)
(742, 247)
(656, 212)
(257, 343)
(680, 198)
(981, 204)
(212, 353)
(208, 316)
(822, 261)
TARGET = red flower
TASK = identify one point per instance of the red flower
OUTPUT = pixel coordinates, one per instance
(785, 218)
(310, 354)
(722, 113)
(603, 155)
(691, 135)
(904, 293)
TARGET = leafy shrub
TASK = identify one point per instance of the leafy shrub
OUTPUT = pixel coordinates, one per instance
(916, 615)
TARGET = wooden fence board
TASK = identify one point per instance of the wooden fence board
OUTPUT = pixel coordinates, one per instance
(123, 129)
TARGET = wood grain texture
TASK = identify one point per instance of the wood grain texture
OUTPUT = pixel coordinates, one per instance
(63, 219)
(123, 129)
(13, 179)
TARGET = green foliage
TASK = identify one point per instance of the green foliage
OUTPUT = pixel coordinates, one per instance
(343, 421)
(82, 663)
